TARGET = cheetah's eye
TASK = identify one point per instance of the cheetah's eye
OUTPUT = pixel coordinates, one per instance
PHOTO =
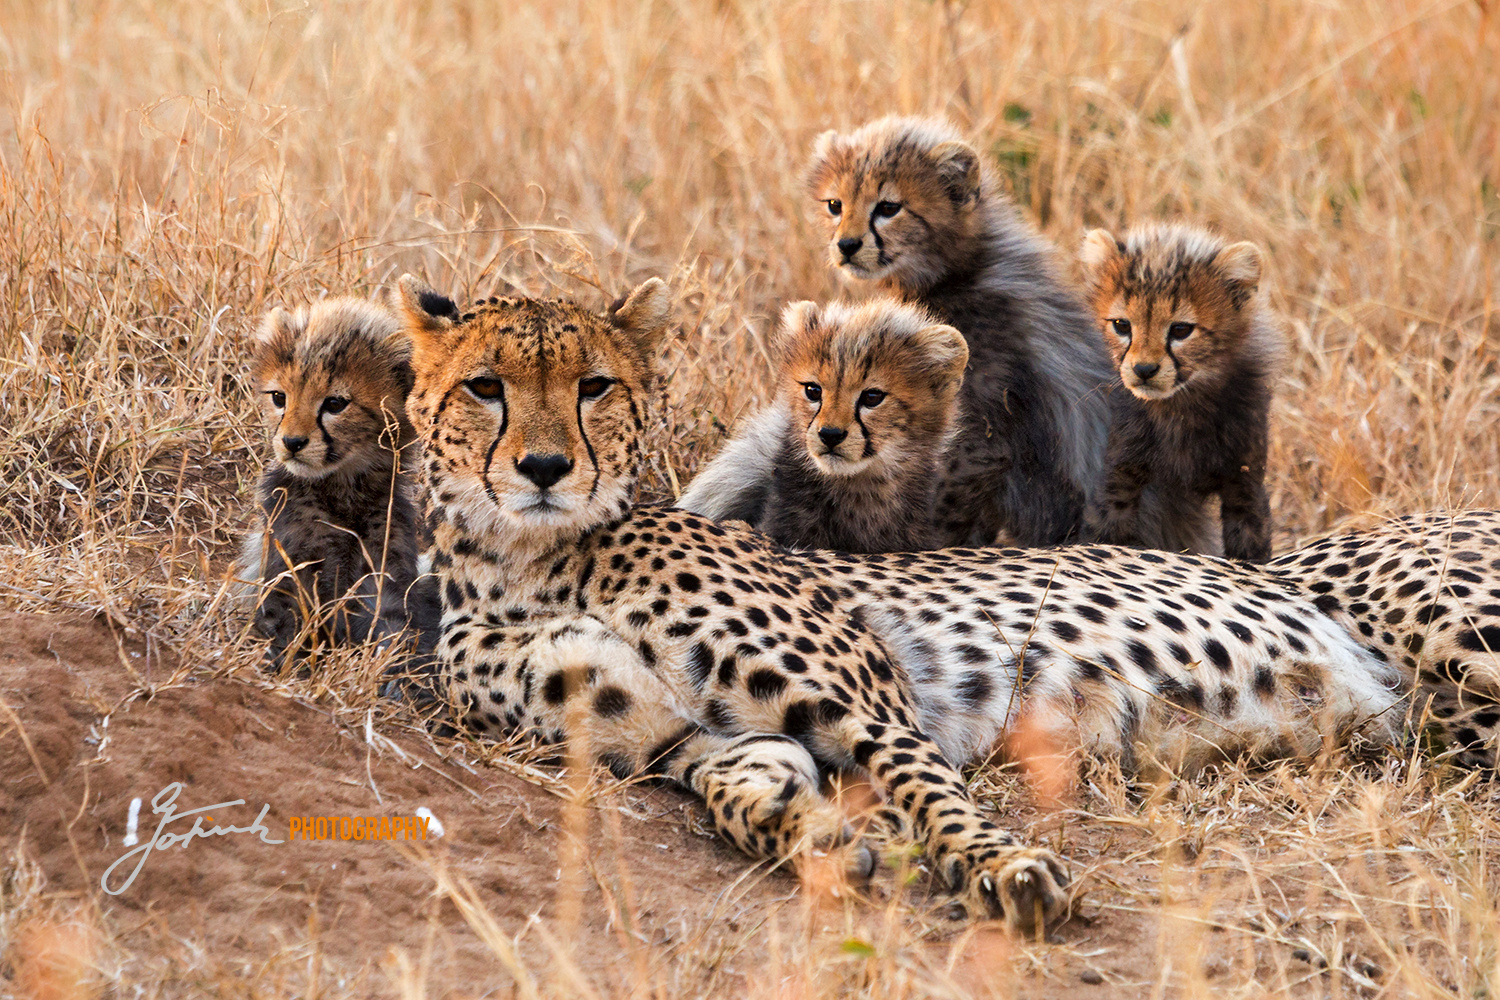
(334, 404)
(1180, 331)
(1122, 327)
(278, 399)
(871, 398)
(485, 388)
(835, 207)
(814, 392)
(887, 209)
(594, 386)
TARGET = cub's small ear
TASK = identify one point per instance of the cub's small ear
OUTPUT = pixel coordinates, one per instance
(958, 166)
(945, 350)
(1098, 249)
(796, 319)
(644, 313)
(823, 145)
(428, 314)
(1240, 264)
(277, 324)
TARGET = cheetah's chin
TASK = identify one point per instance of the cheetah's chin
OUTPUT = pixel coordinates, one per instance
(831, 464)
(1150, 392)
(855, 270)
(302, 470)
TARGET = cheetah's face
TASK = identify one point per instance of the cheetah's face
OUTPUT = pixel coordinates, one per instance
(531, 411)
(882, 204)
(1172, 305)
(333, 378)
(872, 383)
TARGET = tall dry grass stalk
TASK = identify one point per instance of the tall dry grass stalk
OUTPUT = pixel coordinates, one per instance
(168, 170)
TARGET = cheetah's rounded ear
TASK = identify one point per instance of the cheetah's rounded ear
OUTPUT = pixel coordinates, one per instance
(945, 350)
(796, 319)
(427, 314)
(644, 313)
(958, 166)
(1099, 248)
(278, 324)
(823, 144)
(1240, 264)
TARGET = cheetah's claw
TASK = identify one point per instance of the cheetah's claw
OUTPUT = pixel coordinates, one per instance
(1027, 887)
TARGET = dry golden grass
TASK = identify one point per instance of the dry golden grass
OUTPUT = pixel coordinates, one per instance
(168, 170)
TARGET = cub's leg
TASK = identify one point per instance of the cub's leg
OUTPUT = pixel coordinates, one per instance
(1115, 516)
(575, 679)
(1245, 510)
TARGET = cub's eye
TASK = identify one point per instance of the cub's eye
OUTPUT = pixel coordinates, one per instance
(886, 209)
(485, 388)
(594, 386)
(1121, 326)
(334, 404)
(1180, 331)
(871, 398)
(814, 392)
(278, 399)
(835, 207)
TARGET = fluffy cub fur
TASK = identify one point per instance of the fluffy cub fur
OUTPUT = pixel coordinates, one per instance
(333, 555)
(1196, 347)
(911, 208)
(850, 453)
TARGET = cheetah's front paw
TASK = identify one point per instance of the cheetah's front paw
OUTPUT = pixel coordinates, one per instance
(763, 796)
(1027, 887)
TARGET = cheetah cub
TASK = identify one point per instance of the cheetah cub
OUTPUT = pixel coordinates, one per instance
(1197, 349)
(335, 543)
(865, 402)
(912, 209)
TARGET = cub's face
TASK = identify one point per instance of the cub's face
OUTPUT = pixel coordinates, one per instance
(333, 379)
(531, 411)
(1172, 304)
(890, 194)
(869, 386)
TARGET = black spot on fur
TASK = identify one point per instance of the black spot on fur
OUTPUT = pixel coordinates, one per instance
(764, 684)
(700, 664)
(611, 701)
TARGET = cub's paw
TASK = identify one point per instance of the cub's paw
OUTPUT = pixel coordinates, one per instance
(1027, 887)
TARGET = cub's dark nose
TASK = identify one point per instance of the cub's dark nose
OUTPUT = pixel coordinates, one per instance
(544, 470)
(831, 436)
(849, 246)
(1144, 371)
(294, 444)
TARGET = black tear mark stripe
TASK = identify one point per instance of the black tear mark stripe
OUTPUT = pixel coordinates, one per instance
(589, 445)
(875, 234)
(489, 455)
(330, 453)
(859, 418)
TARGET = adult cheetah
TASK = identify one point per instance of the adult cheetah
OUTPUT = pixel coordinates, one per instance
(671, 645)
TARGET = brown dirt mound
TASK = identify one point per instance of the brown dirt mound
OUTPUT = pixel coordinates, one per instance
(66, 790)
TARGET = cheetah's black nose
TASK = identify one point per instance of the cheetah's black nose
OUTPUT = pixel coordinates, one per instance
(544, 470)
(849, 246)
(294, 444)
(831, 436)
(1145, 371)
